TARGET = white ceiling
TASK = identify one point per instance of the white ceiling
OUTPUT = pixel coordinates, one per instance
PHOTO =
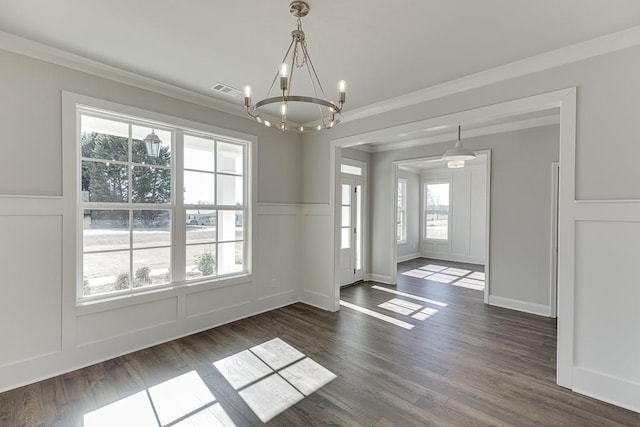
(381, 48)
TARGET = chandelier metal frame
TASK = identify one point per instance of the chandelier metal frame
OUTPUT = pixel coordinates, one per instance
(297, 57)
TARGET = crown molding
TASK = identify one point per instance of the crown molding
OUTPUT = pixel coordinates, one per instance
(32, 49)
(552, 59)
(471, 133)
(555, 58)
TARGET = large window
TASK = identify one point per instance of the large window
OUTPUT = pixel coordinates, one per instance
(436, 211)
(137, 230)
(401, 216)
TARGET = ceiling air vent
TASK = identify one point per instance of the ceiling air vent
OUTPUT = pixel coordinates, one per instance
(227, 90)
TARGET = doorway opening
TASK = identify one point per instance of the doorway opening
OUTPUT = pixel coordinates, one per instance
(443, 214)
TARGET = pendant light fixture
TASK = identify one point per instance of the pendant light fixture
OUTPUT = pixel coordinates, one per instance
(297, 58)
(457, 155)
(152, 143)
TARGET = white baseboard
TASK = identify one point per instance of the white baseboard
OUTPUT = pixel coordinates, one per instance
(617, 391)
(408, 257)
(514, 304)
(379, 278)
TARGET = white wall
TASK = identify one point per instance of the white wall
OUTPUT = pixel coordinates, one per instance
(606, 194)
(411, 248)
(468, 215)
(43, 331)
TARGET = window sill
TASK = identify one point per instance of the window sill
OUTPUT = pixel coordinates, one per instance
(173, 290)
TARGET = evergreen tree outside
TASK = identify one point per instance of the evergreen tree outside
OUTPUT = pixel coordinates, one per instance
(109, 182)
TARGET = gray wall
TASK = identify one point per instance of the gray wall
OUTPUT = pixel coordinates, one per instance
(31, 106)
(607, 112)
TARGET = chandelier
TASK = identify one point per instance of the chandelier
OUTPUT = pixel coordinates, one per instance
(297, 58)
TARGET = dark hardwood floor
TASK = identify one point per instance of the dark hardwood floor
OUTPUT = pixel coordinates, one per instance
(465, 365)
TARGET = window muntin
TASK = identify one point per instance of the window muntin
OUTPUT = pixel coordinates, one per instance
(128, 205)
(401, 220)
(215, 206)
(436, 211)
(345, 226)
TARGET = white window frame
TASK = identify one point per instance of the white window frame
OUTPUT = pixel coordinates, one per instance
(72, 106)
(401, 211)
(426, 183)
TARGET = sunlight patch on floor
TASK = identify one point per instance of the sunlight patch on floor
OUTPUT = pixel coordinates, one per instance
(183, 401)
(407, 308)
(377, 315)
(273, 376)
(405, 294)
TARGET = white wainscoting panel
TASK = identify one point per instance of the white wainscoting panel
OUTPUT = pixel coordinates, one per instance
(279, 249)
(31, 267)
(607, 258)
(115, 323)
(317, 267)
(214, 300)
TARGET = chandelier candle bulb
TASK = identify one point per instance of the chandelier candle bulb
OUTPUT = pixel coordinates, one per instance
(247, 96)
(284, 81)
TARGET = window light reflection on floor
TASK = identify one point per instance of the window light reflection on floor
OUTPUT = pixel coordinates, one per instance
(184, 400)
(407, 308)
(273, 376)
(377, 315)
(405, 294)
(433, 267)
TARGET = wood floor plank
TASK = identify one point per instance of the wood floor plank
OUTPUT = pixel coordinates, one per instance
(467, 364)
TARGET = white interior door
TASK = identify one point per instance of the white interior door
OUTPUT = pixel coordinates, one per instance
(351, 230)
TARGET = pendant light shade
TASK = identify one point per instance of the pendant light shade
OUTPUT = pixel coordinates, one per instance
(457, 155)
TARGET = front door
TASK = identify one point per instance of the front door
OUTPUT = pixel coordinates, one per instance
(351, 230)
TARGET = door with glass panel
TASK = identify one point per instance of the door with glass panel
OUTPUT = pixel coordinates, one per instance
(351, 211)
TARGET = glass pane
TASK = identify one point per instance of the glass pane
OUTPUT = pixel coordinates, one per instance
(198, 153)
(346, 216)
(201, 226)
(437, 226)
(438, 197)
(151, 185)
(151, 266)
(201, 261)
(105, 230)
(104, 182)
(104, 139)
(140, 150)
(230, 158)
(105, 272)
(151, 228)
(230, 257)
(199, 188)
(359, 227)
(230, 225)
(230, 190)
(346, 194)
(437, 211)
(346, 238)
(353, 170)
